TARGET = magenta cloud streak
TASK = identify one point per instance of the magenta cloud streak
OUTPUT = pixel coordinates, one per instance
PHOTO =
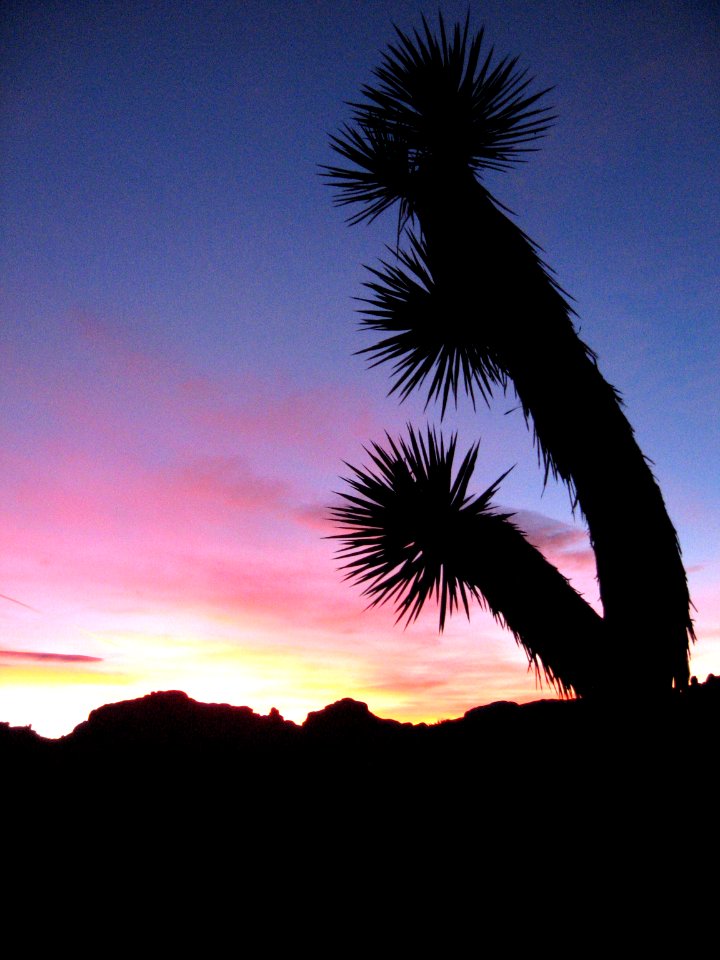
(40, 656)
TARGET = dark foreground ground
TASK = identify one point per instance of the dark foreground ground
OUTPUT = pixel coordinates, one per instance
(166, 742)
(540, 803)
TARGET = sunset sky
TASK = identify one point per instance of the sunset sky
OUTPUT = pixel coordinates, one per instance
(177, 381)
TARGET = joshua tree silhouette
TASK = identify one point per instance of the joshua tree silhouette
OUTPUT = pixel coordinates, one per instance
(468, 303)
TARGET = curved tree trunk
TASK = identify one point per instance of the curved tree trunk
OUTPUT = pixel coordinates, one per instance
(559, 631)
(497, 284)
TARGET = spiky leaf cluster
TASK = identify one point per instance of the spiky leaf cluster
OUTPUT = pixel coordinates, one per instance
(438, 108)
(410, 525)
(432, 337)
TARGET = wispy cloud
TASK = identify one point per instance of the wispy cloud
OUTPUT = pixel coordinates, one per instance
(18, 602)
(566, 546)
(40, 656)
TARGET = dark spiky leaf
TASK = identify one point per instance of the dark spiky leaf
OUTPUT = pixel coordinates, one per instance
(382, 177)
(403, 519)
(437, 107)
(433, 337)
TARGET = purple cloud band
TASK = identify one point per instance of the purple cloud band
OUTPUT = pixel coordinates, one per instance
(34, 655)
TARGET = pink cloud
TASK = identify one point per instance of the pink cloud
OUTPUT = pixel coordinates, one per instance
(37, 656)
(316, 517)
(91, 388)
(227, 482)
(565, 546)
(550, 535)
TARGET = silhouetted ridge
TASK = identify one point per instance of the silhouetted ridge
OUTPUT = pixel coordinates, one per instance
(174, 719)
(348, 718)
(172, 724)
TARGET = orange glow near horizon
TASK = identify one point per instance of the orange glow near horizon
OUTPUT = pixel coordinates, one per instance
(409, 675)
(412, 676)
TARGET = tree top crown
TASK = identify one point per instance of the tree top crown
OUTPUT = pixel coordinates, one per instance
(438, 110)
